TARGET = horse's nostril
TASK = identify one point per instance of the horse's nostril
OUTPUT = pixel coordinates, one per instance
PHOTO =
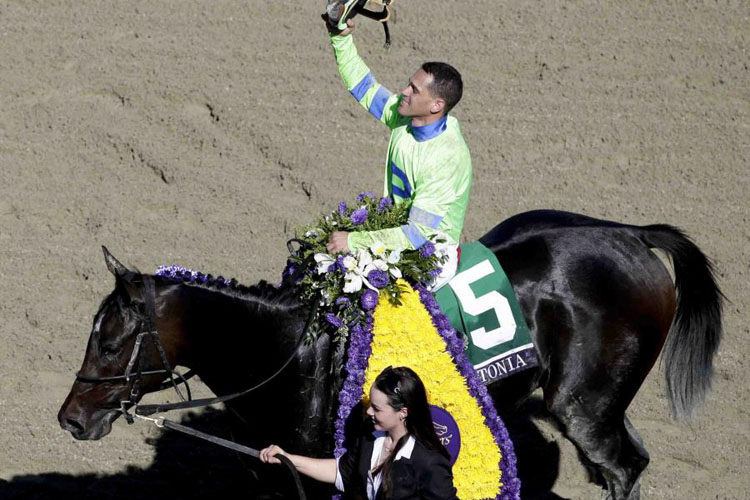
(72, 425)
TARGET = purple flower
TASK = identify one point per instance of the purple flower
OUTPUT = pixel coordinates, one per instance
(334, 320)
(369, 300)
(342, 208)
(434, 273)
(289, 269)
(427, 250)
(378, 278)
(343, 302)
(359, 216)
(358, 358)
(384, 203)
(365, 194)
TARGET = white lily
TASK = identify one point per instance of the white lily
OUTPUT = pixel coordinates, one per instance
(324, 262)
(357, 271)
(395, 256)
(379, 264)
(352, 283)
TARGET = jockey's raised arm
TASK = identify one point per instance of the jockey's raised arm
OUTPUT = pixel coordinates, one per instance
(428, 163)
(381, 103)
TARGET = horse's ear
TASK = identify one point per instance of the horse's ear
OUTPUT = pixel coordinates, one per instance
(133, 291)
(114, 265)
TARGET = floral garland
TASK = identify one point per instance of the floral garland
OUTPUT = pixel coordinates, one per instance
(511, 488)
(363, 364)
(348, 285)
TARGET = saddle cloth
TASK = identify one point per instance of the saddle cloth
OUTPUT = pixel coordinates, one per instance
(481, 304)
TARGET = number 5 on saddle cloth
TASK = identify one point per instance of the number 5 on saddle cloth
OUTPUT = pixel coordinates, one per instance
(340, 11)
(481, 304)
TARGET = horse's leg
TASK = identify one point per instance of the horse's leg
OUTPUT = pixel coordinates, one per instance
(612, 452)
(595, 475)
(598, 362)
(637, 442)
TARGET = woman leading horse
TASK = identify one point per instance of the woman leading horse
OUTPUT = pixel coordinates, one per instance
(403, 459)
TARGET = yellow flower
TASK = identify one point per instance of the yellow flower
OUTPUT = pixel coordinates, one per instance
(405, 336)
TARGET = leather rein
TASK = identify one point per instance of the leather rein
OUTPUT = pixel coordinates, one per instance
(135, 372)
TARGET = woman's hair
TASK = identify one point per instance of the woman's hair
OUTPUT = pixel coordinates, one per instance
(404, 389)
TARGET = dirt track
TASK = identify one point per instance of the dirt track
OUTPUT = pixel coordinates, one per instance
(200, 133)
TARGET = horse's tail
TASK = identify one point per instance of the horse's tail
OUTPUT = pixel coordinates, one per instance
(696, 330)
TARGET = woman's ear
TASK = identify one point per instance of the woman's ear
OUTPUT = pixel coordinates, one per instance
(403, 413)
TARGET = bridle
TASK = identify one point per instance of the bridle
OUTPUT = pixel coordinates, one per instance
(134, 370)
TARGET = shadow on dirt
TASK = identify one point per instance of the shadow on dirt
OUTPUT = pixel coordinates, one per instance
(187, 468)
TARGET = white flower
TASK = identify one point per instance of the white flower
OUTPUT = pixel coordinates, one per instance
(310, 234)
(363, 258)
(324, 262)
(379, 264)
(441, 245)
(357, 271)
(352, 284)
(378, 249)
(395, 256)
(350, 263)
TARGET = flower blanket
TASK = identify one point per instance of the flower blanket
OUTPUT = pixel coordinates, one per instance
(415, 333)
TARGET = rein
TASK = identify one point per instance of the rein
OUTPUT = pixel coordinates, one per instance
(142, 412)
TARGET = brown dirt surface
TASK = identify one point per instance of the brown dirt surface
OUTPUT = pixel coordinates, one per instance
(201, 133)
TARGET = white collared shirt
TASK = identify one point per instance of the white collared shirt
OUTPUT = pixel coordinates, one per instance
(373, 482)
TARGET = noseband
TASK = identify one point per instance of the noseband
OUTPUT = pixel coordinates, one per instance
(134, 369)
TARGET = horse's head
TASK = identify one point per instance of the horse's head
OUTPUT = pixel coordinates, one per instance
(110, 369)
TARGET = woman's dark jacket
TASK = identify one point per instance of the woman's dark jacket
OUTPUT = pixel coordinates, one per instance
(425, 476)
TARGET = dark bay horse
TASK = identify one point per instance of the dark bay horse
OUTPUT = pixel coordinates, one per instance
(599, 303)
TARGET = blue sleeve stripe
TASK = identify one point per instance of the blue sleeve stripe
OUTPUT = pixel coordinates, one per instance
(401, 175)
(362, 87)
(378, 102)
(419, 216)
(397, 191)
(415, 237)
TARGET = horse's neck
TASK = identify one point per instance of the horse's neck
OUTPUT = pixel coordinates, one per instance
(230, 340)
(234, 344)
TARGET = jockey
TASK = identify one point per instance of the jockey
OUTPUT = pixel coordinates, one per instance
(428, 164)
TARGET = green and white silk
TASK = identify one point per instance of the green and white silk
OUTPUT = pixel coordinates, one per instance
(429, 167)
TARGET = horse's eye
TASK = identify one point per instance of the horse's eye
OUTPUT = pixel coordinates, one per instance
(110, 350)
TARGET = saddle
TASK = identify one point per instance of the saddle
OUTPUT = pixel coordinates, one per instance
(339, 11)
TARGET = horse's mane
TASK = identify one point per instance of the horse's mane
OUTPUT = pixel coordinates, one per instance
(263, 294)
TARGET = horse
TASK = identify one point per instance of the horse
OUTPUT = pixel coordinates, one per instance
(600, 304)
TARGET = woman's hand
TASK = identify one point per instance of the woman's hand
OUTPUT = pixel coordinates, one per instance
(322, 469)
(267, 455)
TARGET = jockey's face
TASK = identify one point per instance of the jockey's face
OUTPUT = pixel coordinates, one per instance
(418, 101)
